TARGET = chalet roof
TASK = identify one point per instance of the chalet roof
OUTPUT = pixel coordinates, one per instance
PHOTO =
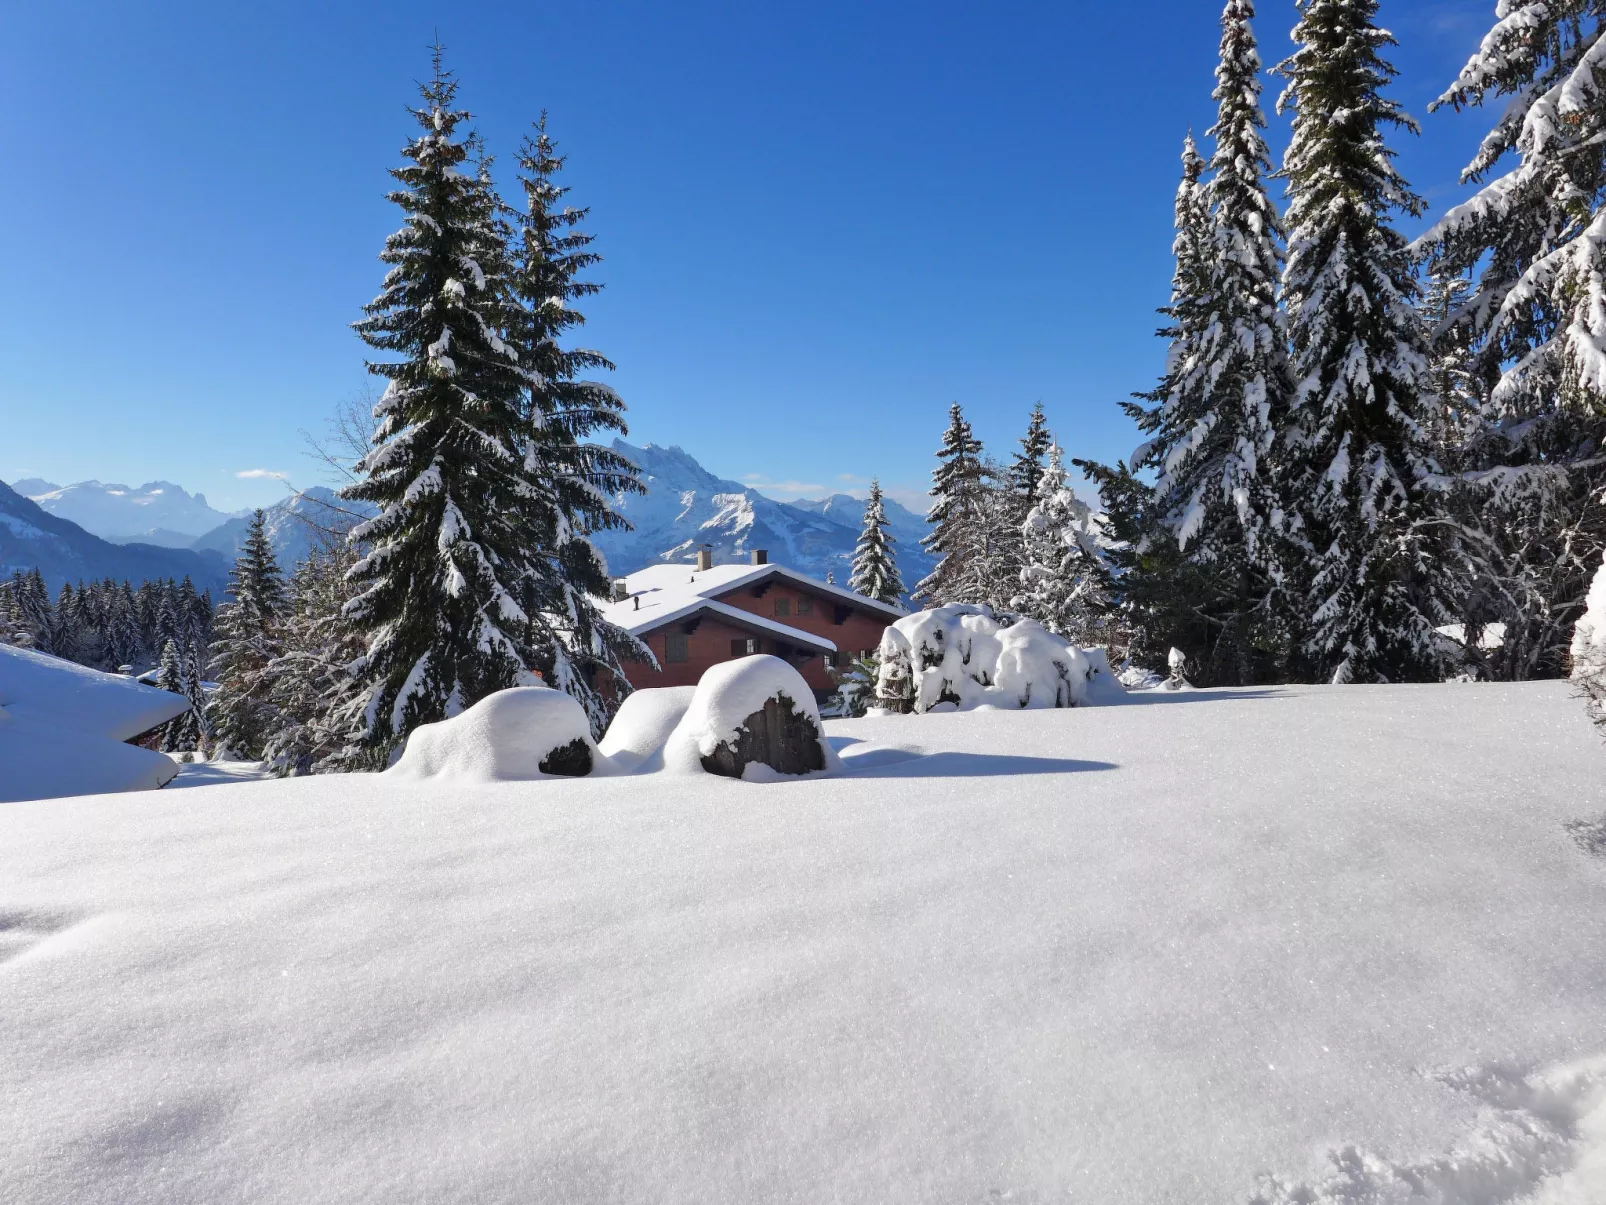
(62, 728)
(661, 594)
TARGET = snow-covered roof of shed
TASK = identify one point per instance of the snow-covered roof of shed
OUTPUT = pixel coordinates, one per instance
(62, 728)
(36, 686)
(661, 594)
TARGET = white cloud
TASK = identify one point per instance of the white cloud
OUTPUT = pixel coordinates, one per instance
(783, 491)
(254, 474)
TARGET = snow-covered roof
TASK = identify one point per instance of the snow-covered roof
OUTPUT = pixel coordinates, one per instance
(661, 594)
(62, 728)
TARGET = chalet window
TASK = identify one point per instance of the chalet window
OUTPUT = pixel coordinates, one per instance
(805, 606)
(677, 648)
(744, 648)
(783, 606)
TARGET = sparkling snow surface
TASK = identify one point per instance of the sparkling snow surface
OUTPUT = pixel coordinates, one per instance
(1130, 954)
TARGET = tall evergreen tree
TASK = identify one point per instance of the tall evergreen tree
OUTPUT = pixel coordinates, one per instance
(875, 560)
(170, 677)
(960, 515)
(1228, 384)
(1532, 327)
(1031, 462)
(1355, 454)
(580, 478)
(1157, 593)
(248, 643)
(452, 551)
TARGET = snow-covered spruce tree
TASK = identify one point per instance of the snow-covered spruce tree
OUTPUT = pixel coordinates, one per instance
(1062, 583)
(170, 677)
(875, 560)
(1534, 324)
(193, 730)
(960, 514)
(1157, 592)
(247, 643)
(581, 478)
(1231, 387)
(1367, 568)
(461, 520)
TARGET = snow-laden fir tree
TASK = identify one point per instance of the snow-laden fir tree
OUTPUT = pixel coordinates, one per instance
(310, 684)
(961, 515)
(1014, 492)
(1062, 583)
(875, 558)
(463, 524)
(170, 677)
(563, 410)
(1533, 325)
(1156, 590)
(1225, 412)
(1228, 383)
(247, 643)
(1366, 565)
(193, 731)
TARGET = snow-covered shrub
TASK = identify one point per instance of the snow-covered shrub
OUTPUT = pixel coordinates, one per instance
(855, 688)
(646, 720)
(1589, 648)
(1103, 687)
(749, 712)
(523, 733)
(963, 656)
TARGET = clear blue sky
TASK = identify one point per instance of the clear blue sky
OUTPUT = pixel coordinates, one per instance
(822, 222)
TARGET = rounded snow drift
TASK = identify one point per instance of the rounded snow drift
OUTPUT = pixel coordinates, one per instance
(646, 720)
(524, 733)
(750, 713)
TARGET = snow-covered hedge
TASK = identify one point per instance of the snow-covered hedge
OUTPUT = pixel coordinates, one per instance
(523, 733)
(962, 656)
(727, 698)
(1589, 647)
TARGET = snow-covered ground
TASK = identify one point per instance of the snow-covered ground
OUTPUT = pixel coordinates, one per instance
(1340, 937)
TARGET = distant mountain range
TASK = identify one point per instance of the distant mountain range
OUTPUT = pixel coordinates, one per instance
(157, 512)
(684, 508)
(33, 538)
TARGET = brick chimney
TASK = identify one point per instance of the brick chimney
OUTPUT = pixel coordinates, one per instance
(705, 558)
(761, 556)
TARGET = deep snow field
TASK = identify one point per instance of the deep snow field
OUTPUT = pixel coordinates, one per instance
(1301, 945)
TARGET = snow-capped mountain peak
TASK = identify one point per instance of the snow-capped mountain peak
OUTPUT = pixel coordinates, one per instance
(157, 512)
(686, 507)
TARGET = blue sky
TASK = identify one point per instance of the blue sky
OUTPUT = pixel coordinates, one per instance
(822, 222)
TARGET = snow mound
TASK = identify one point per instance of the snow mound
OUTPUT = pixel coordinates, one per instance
(635, 740)
(505, 737)
(62, 728)
(1541, 1140)
(1103, 687)
(725, 697)
(962, 657)
(1589, 647)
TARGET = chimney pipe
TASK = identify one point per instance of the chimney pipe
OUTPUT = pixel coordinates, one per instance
(761, 556)
(705, 558)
